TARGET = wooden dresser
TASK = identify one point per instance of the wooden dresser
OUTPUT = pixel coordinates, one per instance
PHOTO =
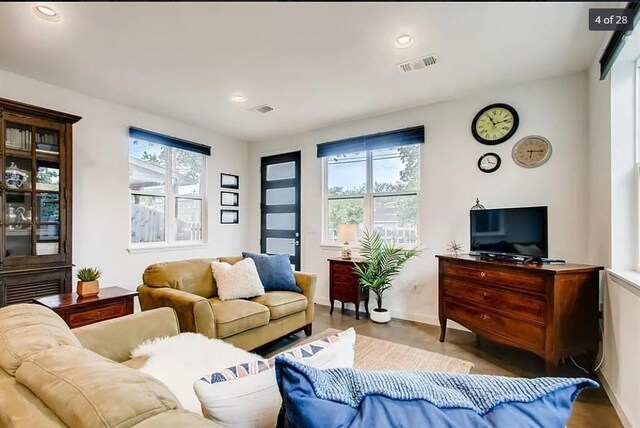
(345, 286)
(550, 310)
(76, 311)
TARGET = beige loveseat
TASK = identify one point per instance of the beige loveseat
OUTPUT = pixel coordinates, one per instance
(188, 287)
(51, 376)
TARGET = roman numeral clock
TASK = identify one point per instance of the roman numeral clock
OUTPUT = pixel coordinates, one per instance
(495, 124)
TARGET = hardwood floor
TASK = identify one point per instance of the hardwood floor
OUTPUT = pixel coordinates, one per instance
(592, 410)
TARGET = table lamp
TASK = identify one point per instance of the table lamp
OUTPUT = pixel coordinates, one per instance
(347, 233)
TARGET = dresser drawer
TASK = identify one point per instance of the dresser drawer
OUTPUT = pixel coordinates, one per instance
(89, 316)
(343, 268)
(487, 275)
(519, 305)
(502, 328)
(343, 279)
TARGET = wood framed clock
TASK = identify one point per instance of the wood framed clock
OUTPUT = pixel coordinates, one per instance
(495, 124)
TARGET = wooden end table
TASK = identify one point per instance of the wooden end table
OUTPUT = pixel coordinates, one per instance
(77, 311)
(344, 284)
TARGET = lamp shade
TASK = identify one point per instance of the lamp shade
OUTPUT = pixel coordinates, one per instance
(347, 232)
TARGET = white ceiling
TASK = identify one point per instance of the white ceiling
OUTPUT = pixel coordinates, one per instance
(315, 63)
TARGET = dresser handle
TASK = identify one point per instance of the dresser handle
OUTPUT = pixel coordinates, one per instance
(98, 313)
(483, 316)
(485, 294)
(482, 274)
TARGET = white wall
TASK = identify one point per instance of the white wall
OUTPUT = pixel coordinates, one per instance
(100, 174)
(555, 108)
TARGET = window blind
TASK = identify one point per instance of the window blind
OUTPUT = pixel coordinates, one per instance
(382, 140)
(165, 140)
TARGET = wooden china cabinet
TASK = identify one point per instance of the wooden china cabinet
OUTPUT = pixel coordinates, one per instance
(35, 221)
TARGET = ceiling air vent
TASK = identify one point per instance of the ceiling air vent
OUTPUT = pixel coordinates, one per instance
(417, 64)
(262, 109)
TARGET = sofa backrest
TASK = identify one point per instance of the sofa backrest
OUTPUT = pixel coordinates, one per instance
(193, 276)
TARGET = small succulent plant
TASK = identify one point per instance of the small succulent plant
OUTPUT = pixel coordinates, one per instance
(87, 274)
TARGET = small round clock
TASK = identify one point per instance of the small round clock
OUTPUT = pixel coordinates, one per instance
(495, 124)
(531, 151)
(489, 162)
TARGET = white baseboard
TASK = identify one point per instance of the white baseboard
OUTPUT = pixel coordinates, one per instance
(425, 319)
(614, 400)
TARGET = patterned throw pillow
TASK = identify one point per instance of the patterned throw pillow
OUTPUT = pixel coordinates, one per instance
(224, 394)
(238, 281)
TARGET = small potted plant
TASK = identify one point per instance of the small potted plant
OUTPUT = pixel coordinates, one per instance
(88, 284)
(382, 262)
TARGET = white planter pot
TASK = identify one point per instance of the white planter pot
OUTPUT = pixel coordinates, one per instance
(380, 316)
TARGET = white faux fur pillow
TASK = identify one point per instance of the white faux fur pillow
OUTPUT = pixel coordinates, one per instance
(238, 281)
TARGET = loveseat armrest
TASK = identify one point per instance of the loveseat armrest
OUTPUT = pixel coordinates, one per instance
(307, 283)
(116, 338)
(194, 312)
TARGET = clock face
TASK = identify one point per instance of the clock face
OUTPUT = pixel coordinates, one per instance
(531, 151)
(495, 124)
(489, 162)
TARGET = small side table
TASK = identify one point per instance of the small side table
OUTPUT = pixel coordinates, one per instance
(344, 285)
(76, 311)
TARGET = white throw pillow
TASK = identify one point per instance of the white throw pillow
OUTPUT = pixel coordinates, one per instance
(238, 281)
(225, 395)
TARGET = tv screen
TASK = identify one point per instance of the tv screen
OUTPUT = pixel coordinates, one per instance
(512, 231)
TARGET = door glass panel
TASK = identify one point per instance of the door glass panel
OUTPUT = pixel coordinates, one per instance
(281, 171)
(284, 196)
(188, 219)
(18, 137)
(47, 238)
(47, 141)
(281, 246)
(17, 175)
(284, 221)
(47, 208)
(18, 241)
(18, 213)
(147, 218)
(48, 176)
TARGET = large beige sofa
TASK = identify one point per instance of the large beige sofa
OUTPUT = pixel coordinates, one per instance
(51, 376)
(188, 287)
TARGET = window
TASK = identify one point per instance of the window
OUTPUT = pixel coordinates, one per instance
(167, 188)
(377, 189)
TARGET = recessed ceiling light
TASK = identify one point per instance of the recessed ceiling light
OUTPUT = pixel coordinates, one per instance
(45, 12)
(404, 41)
(238, 99)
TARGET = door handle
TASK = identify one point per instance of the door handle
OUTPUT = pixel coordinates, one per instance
(297, 243)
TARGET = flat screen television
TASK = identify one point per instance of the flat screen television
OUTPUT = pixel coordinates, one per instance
(510, 231)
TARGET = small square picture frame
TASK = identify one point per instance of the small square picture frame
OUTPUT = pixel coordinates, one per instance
(229, 199)
(229, 217)
(229, 181)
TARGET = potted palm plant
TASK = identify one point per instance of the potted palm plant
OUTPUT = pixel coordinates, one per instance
(383, 261)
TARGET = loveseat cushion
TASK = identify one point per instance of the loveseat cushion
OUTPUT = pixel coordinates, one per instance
(86, 390)
(175, 419)
(235, 316)
(282, 303)
(26, 329)
(20, 408)
(193, 276)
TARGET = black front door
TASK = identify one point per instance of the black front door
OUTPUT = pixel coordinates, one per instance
(280, 206)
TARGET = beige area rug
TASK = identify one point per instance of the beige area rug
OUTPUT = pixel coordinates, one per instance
(376, 354)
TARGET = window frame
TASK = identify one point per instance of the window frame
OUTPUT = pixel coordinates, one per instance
(368, 200)
(170, 208)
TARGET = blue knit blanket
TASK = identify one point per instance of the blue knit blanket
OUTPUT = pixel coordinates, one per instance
(480, 393)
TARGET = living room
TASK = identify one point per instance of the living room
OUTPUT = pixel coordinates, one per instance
(239, 88)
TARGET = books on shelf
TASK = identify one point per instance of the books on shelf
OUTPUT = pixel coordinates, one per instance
(47, 142)
(19, 139)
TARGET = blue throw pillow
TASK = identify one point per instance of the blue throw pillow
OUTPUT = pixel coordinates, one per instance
(275, 272)
(354, 398)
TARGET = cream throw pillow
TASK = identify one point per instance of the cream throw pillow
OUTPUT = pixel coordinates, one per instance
(238, 281)
(247, 395)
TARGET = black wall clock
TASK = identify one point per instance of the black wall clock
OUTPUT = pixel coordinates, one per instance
(495, 124)
(489, 162)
